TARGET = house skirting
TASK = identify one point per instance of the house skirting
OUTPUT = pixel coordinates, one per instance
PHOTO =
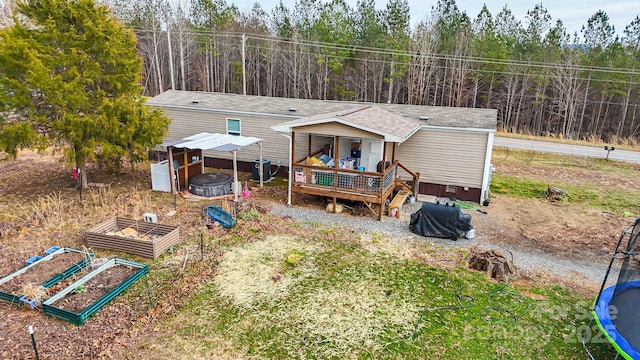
(459, 192)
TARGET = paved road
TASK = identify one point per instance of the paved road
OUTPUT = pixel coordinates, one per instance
(591, 151)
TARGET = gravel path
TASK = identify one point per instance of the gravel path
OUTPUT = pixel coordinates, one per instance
(528, 260)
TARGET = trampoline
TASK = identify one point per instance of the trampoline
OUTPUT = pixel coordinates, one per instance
(617, 307)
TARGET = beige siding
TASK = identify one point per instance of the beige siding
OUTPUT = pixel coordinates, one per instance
(301, 146)
(441, 156)
(337, 129)
(445, 157)
(275, 146)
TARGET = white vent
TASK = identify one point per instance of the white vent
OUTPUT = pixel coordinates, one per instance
(423, 117)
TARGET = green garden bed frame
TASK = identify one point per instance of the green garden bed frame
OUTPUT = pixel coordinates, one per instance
(81, 317)
(73, 269)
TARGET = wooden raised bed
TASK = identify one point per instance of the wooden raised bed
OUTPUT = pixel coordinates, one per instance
(155, 239)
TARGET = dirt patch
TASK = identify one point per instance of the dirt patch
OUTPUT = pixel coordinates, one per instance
(95, 288)
(626, 180)
(559, 228)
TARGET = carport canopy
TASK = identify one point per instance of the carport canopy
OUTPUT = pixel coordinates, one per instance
(218, 142)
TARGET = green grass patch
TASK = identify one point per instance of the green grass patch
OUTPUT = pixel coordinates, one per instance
(505, 155)
(341, 301)
(518, 187)
(467, 205)
(613, 199)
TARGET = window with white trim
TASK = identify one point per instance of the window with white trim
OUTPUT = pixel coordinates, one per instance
(233, 126)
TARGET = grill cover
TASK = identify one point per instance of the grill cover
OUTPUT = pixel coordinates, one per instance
(440, 220)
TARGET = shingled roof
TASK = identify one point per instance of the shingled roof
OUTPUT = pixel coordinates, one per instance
(291, 109)
(373, 119)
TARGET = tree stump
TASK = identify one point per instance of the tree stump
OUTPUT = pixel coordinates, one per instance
(493, 262)
(554, 193)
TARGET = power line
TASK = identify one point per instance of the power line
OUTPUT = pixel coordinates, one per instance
(413, 55)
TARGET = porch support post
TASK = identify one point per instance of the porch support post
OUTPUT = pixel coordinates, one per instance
(384, 157)
(261, 167)
(201, 161)
(309, 147)
(172, 172)
(292, 162)
(336, 165)
(336, 151)
(393, 153)
(235, 176)
(185, 161)
(383, 169)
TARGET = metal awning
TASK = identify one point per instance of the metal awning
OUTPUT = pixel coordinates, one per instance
(213, 141)
(218, 142)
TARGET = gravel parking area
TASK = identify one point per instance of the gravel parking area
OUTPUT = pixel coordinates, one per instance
(525, 260)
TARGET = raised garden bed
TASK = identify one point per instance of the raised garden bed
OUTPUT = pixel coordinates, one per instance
(134, 237)
(80, 300)
(42, 273)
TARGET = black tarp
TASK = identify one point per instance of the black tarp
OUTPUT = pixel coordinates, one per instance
(440, 220)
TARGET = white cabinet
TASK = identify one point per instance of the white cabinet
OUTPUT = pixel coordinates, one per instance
(160, 179)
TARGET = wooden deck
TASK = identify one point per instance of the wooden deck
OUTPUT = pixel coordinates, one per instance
(371, 188)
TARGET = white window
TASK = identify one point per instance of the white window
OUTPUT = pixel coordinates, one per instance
(233, 126)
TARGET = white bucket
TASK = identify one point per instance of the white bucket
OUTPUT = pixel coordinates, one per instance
(470, 234)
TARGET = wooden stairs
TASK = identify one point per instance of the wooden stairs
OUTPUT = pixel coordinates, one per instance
(396, 203)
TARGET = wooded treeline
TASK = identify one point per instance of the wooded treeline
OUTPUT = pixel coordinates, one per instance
(541, 79)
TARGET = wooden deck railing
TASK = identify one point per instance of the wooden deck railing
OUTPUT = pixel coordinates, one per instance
(372, 187)
(343, 180)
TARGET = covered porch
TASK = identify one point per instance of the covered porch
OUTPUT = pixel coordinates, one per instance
(352, 163)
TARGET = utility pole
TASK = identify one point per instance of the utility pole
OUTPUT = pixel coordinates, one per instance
(173, 81)
(244, 66)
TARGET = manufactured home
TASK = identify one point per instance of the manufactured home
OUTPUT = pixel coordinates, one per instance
(441, 151)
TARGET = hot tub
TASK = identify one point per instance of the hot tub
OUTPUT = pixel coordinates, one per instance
(212, 184)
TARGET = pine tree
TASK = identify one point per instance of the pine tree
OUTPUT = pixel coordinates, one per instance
(71, 79)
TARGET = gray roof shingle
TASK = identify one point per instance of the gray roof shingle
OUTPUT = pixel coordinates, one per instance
(289, 109)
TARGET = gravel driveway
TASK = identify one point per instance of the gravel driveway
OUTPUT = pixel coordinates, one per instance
(528, 260)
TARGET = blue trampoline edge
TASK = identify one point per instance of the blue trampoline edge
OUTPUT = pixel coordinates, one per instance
(602, 316)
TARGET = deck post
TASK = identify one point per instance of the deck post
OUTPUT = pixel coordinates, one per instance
(292, 163)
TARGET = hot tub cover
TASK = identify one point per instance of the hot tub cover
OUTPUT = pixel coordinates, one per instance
(440, 220)
(211, 179)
